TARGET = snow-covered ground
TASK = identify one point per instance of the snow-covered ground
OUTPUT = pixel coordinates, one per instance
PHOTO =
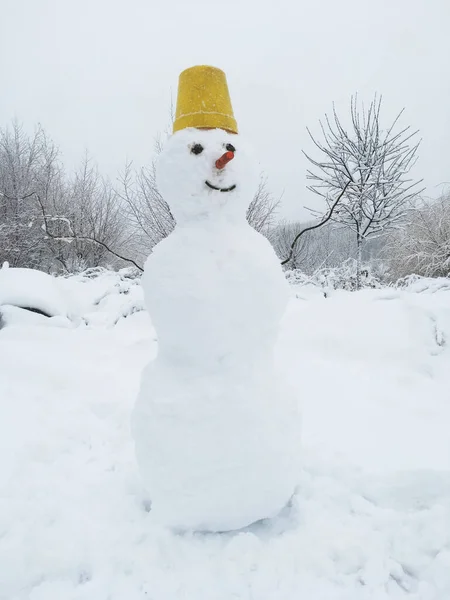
(372, 517)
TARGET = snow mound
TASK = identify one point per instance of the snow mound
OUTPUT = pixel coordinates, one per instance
(97, 297)
(371, 520)
(12, 315)
(28, 288)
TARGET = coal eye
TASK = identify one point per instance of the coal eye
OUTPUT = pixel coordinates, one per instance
(197, 149)
(230, 148)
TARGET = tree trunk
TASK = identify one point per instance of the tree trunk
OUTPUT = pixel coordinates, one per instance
(359, 245)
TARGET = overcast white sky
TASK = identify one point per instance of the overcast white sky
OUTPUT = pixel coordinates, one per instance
(99, 74)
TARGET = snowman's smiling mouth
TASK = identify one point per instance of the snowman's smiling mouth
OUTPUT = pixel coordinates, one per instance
(219, 189)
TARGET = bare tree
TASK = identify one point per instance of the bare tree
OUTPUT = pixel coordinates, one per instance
(263, 208)
(29, 164)
(371, 166)
(46, 220)
(94, 211)
(423, 247)
(148, 213)
(87, 227)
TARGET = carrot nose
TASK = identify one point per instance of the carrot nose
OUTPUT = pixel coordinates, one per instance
(224, 159)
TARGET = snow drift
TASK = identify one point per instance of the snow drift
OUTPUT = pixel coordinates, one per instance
(371, 519)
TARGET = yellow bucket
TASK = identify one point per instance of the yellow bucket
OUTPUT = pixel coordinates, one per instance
(204, 100)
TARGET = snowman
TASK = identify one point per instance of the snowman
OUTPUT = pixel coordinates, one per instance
(216, 432)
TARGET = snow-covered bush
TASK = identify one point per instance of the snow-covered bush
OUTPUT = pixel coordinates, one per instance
(126, 274)
(343, 277)
(419, 284)
(105, 296)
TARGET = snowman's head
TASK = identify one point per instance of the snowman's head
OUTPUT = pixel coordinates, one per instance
(207, 173)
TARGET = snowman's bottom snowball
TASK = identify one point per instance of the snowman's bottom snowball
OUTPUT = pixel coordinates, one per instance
(219, 456)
